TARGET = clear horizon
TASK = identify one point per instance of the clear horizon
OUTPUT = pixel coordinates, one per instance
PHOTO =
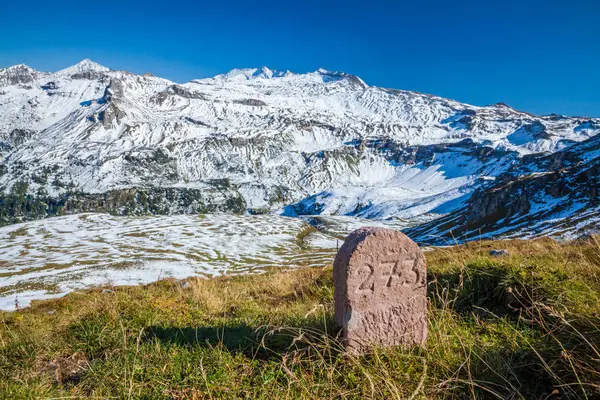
(539, 57)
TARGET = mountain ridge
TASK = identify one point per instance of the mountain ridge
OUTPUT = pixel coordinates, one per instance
(322, 142)
(263, 73)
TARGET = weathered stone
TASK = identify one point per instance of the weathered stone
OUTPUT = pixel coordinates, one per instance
(380, 290)
(499, 253)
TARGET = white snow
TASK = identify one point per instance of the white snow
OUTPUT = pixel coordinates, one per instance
(87, 250)
(86, 65)
(261, 129)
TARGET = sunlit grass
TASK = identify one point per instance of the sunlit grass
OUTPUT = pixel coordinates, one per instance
(523, 326)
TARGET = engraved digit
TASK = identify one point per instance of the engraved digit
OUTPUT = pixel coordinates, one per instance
(390, 268)
(418, 278)
(369, 282)
(408, 275)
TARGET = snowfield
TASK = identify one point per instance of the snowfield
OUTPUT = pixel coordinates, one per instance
(49, 258)
(323, 146)
(52, 257)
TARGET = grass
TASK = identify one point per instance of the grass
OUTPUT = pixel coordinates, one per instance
(18, 232)
(303, 234)
(519, 327)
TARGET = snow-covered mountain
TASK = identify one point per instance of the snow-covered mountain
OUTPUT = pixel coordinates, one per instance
(555, 194)
(257, 140)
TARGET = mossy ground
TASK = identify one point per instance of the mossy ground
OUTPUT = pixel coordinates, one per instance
(523, 326)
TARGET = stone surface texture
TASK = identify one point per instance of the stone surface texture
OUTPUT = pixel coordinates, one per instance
(380, 290)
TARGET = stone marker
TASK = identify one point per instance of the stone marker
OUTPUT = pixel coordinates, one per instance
(380, 290)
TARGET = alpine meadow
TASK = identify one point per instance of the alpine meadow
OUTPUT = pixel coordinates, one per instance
(171, 230)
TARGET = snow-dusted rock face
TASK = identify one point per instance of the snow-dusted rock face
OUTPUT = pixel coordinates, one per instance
(89, 138)
(556, 194)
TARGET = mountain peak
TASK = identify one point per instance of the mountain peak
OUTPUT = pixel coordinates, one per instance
(18, 67)
(245, 74)
(86, 65)
(332, 76)
(17, 74)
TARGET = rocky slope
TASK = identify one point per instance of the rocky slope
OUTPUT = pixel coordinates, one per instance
(88, 138)
(555, 194)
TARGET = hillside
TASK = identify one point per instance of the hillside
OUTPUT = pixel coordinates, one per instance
(88, 138)
(543, 195)
(522, 326)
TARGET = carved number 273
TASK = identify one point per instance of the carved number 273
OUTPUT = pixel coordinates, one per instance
(401, 271)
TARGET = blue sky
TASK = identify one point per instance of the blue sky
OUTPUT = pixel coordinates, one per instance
(537, 56)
